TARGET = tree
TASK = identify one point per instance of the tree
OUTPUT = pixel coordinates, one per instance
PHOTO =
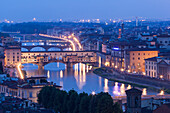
(71, 104)
(46, 96)
(84, 104)
(117, 108)
(80, 96)
(59, 100)
(104, 103)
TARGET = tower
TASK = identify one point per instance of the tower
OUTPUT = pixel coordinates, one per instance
(136, 21)
(120, 33)
(122, 27)
(133, 100)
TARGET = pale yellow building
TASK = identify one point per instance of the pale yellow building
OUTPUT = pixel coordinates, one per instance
(137, 59)
(12, 56)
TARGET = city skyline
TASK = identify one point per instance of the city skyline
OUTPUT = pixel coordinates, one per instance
(20, 11)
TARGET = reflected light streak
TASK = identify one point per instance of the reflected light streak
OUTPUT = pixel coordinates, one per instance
(61, 84)
(20, 72)
(48, 74)
(87, 69)
(61, 74)
(100, 81)
(122, 89)
(80, 79)
(58, 64)
(106, 88)
(115, 91)
(84, 73)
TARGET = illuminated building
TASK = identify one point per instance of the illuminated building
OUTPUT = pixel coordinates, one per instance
(119, 50)
(158, 67)
(12, 55)
(135, 58)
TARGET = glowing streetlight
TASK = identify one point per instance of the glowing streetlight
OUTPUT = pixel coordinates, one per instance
(122, 69)
(162, 92)
(161, 76)
(115, 66)
(93, 93)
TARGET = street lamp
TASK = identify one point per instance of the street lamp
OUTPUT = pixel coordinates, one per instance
(93, 93)
(161, 76)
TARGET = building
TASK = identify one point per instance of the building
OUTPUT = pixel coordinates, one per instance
(135, 59)
(28, 90)
(158, 67)
(133, 100)
(119, 50)
(151, 67)
(146, 36)
(12, 55)
(164, 41)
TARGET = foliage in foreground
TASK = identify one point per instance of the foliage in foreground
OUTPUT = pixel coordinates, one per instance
(72, 102)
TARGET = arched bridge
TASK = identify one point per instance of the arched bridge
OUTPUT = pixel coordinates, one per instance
(67, 57)
(44, 45)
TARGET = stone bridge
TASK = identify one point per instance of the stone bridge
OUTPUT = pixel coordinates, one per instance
(45, 44)
(46, 47)
(67, 57)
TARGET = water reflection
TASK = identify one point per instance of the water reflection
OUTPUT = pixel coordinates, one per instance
(106, 88)
(80, 77)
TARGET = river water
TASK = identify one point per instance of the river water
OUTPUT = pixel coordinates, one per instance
(80, 78)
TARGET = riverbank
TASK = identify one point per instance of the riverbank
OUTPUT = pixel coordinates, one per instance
(142, 82)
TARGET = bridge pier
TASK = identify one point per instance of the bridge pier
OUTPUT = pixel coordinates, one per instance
(69, 65)
(40, 67)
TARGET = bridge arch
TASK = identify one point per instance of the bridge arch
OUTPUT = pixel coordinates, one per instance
(67, 49)
(37, 49)
(24, 49)
(54, 49)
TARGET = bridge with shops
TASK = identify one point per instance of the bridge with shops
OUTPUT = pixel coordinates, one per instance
(41, 58)
(45, 45)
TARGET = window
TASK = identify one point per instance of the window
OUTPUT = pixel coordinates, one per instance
(138, 58)
(30, 94)
(166, 41)
(133, 58)
(143, 53)
(161, 42)
(133, 54)
(138, 53)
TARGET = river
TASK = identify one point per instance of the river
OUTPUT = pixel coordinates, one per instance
(80, 78)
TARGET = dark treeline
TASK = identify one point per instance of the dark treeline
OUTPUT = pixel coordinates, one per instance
(72, 102)
(40, 27)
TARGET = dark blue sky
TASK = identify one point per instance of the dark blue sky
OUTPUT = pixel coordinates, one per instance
(45, 10)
